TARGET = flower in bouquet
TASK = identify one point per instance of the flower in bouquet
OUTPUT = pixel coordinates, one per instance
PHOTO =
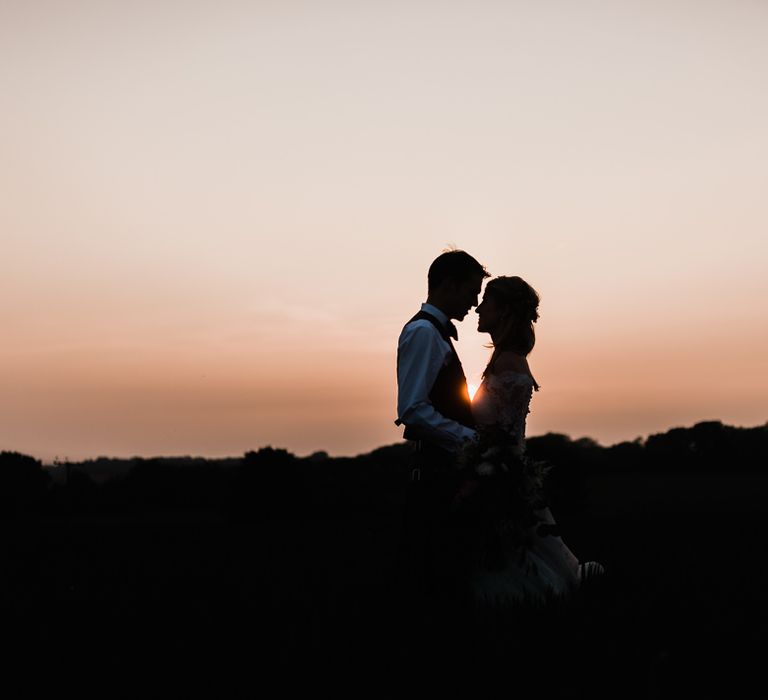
(501, 488)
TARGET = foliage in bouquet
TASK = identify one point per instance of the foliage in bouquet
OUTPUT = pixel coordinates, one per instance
(501, 488)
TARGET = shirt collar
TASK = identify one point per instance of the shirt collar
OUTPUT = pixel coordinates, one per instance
(434, 311)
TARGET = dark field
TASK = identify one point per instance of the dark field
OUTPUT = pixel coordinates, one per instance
(184, 602)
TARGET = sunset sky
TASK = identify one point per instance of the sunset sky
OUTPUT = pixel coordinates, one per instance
(216, 216)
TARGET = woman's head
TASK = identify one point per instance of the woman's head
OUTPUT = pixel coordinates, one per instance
(508, 311)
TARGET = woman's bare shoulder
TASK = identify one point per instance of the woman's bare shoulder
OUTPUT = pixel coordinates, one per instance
(508, 361)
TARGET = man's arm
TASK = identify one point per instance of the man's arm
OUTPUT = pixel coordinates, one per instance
(423, 353)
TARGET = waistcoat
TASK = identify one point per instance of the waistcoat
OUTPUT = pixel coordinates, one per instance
(449, 394)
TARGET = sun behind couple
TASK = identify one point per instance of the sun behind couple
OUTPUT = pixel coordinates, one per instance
(476, 523)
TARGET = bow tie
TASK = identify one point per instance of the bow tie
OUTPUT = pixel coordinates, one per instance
(452, 330)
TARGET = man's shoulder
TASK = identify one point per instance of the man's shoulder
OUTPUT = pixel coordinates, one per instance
(424, 318)
(420, 327)
(421, 337)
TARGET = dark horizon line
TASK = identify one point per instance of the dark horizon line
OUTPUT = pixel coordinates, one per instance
(642, 439)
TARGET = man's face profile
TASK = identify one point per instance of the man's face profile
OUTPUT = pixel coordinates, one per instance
(465, 296)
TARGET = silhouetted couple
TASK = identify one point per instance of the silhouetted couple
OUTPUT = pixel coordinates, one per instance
(477, 532)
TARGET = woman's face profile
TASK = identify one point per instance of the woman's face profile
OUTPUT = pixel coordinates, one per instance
(489, 314)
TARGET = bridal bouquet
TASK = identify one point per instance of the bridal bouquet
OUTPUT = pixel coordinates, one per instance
(500, 489)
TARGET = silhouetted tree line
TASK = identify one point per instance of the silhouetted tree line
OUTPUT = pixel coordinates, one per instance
(274, 483)
(707, 448)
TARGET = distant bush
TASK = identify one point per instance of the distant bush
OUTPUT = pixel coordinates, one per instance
(23, 483)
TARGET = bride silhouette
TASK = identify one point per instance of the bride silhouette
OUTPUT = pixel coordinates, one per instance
(514, 551)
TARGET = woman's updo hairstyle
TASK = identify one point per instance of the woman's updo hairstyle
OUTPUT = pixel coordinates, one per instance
(518, 303)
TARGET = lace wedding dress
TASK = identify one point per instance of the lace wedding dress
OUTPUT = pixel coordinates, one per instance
(546, 567)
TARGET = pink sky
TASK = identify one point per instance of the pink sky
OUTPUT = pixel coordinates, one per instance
(215, 221)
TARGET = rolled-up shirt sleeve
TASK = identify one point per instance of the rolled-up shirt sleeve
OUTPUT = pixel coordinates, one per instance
(422, 354)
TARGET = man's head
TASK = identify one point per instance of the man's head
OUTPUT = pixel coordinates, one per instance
(454, 282)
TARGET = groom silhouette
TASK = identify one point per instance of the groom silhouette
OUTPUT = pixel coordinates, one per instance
(434, 406)
(432, 397)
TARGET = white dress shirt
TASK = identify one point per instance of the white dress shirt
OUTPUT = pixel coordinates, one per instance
(423, 352)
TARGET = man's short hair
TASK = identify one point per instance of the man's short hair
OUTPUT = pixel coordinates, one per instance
(456, 265)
